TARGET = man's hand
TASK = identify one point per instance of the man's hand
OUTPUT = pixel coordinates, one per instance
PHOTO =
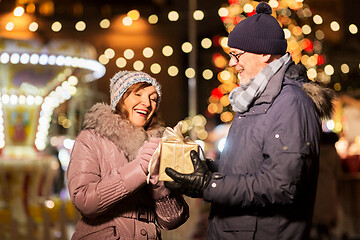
(193, 184)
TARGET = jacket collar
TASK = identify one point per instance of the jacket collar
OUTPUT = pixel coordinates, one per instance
(127, 137)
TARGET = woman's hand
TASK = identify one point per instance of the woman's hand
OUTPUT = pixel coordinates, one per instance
(146, 152)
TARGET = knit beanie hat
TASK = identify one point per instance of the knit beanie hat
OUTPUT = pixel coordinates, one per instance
(260, 33)
(122, 80)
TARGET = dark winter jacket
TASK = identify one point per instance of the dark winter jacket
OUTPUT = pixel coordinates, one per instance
(108, 186)
(267, 174)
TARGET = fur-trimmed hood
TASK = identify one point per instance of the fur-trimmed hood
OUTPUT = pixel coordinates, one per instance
(321, 96)
(127, 137)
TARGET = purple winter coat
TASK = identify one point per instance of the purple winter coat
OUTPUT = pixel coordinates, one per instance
(267, 174)
(108, 186)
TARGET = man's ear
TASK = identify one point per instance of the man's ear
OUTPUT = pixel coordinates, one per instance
(266, 58)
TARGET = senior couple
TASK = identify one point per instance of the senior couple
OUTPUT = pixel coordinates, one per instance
(262, 187)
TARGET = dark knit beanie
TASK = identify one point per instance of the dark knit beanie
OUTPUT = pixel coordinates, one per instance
(260, 33)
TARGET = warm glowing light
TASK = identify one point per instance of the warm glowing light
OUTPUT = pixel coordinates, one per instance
(223, 12)
(127, 21)
(224, 42)
(134, 15)
(103, 59)
(30, 8)
(287, 33)
(226, 116)
(335, 26)
(337, 87)
(155, 68)
(173, 71)
(311, 73)
(225, 75)
(248, 8)
(206, 43)
(19, 11)
(138, 65)
(173, 16)
(319, 35)
(167, 51)
(186, 47)
(9, 26)
(129, 54)
(56, 26)
(207, 74)
(73, 80)
(121, 62)
(317, 19)
(353, 29)
(148, 52)
(345, 68)
(105, 23)
(306, 29)
(153, 19)
(329, 70)
(198, 15)
(190, 73)
(33, 26)
(274, 3)
(80, 26)
(109, 53)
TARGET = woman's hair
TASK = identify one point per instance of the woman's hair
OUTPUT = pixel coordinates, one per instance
(120, 107)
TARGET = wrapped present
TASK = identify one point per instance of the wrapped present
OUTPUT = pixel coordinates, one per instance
(174, 152)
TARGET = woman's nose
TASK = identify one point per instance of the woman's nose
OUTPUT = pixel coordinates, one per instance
(145, 101)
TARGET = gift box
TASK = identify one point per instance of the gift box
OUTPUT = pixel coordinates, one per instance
(176, 156)
(174, 152)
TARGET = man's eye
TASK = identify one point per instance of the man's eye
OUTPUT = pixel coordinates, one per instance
(154, 99)
(137, 94)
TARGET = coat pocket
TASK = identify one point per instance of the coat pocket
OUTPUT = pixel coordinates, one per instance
(108, 233)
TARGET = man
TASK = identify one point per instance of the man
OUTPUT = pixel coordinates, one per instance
(264, 185)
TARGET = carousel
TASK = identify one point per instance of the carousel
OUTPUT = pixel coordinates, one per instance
(35, 78)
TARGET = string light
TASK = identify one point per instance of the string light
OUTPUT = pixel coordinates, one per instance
(105, 23)
(173, 16)
(155, 68)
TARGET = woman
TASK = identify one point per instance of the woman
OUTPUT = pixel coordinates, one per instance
(109, 163)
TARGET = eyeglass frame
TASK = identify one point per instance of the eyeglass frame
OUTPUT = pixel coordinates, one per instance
(237, 55)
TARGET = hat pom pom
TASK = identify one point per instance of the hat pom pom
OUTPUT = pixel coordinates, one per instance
(263, 7)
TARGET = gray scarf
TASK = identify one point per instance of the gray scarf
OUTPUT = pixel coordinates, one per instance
(241, 97)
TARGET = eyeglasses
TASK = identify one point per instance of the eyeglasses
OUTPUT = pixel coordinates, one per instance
(236, 56)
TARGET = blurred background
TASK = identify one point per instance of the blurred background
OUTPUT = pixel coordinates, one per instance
(56, 59)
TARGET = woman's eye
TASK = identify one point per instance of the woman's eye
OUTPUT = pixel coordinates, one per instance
(137, 94)
(153, 99)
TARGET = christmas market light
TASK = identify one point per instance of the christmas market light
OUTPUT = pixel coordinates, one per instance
(148, 52)
(186, 47)
(155, 68)
(167, 51)
(121, 62)
(173, 16)
(173, 71)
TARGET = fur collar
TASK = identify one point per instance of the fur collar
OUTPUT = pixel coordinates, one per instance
(127, 137)
(321, 96)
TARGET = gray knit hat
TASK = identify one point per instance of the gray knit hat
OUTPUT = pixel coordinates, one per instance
(122, 80)
(260, 33)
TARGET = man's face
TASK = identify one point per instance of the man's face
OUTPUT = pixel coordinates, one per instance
(247, 64)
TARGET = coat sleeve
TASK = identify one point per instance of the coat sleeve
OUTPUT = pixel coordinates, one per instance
(93, 192)
(289, 162)
(171, 211)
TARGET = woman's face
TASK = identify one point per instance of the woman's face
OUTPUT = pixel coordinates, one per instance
(141, 105)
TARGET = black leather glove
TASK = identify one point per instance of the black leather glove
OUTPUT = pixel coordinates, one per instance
(193, 184)
(212, 165)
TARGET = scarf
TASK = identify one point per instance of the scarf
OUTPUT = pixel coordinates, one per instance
(242, 96)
